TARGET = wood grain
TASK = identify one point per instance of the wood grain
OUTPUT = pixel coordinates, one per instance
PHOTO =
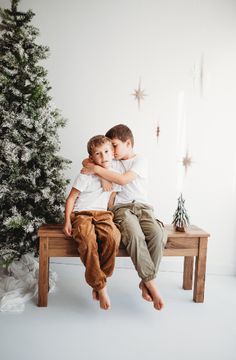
(190, 244)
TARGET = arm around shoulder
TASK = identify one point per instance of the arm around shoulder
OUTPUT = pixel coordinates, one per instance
(117, 178)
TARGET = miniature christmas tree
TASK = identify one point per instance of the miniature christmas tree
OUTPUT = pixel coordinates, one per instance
(31, 172)
(180, 218)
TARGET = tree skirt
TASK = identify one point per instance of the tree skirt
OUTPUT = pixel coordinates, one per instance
(20, 283)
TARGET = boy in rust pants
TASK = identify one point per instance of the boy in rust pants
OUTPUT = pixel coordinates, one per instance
(91, 225)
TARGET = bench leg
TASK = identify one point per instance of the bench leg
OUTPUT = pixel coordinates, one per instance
(200, 271)
(43, 273)
(188, 273)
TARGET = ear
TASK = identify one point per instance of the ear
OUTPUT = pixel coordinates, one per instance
(128, 143)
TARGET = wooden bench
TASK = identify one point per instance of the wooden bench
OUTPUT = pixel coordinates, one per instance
(191, 244)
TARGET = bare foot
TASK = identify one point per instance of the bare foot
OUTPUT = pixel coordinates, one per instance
(95, 295)
(157, 299)
(104, 299)
(145, 292)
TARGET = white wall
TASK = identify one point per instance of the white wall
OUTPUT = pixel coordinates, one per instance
(99, 49)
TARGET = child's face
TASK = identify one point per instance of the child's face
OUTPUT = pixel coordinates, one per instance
(121, 149)
(103, 155)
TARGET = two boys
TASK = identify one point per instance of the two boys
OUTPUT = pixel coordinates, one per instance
(143, 236)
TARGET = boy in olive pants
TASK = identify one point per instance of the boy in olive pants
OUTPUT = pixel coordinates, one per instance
(143, 236)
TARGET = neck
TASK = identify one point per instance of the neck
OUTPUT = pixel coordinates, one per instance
(129, 155)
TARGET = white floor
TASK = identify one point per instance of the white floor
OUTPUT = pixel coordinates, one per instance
(73, 326)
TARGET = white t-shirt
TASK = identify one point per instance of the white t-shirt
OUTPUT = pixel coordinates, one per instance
(136, 189)
(92, 196)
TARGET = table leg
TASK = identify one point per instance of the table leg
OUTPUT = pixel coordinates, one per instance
(200, 271)
(43, 273)
(188, 273)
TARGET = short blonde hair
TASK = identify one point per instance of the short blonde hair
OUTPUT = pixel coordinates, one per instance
(95, 141)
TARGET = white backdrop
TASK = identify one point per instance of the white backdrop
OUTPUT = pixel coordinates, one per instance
(179, 48)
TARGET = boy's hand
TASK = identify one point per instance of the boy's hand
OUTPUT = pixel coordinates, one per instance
(88, 170)
(67, 229)
(106, 185)
(87, 162)
(88, 167)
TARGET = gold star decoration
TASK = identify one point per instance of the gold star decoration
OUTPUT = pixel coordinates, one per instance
(187, 161)
(139, 94)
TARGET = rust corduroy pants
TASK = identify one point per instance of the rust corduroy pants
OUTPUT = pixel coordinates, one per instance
(98, 241)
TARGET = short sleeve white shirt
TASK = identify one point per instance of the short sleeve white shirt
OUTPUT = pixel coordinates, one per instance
(136, 190)
(92, 196)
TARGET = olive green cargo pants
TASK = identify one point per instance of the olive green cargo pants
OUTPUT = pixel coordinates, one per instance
(144, 237)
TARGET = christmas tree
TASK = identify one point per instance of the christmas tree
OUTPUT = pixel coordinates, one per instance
(181, 219)
(31, 171)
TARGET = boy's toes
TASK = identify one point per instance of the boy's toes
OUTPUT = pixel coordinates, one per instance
(159, 304)
(145, 292)
(95, 295)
